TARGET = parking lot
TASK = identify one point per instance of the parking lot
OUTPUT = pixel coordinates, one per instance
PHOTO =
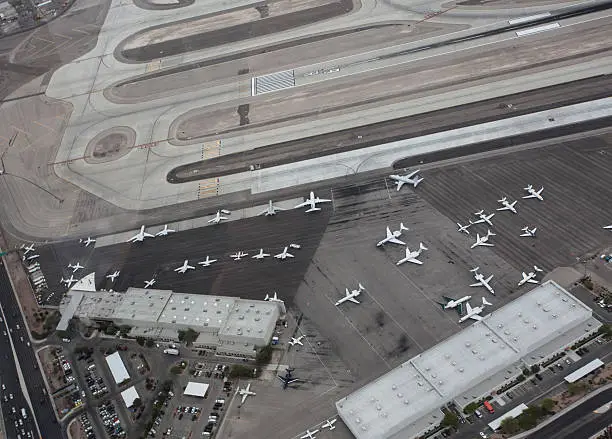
(110, 420)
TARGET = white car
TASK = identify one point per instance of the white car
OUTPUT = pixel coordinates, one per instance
(483, 435)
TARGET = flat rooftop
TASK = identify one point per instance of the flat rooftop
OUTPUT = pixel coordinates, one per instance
(142, 305)
(197, 310)
(250, 318)
(117, 368)
(399, 401)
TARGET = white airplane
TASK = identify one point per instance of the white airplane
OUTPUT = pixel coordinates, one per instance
(272, 298)
(507, 205)
(329, 424)
(246, 392)
(87, 241)
(482, 282)
(312, 202)
(464, 229)
(207, 262)
(218, 218)
(455, 303)
(529, 232)
(183, 268)
(350, 295)
(165, 231)
(393, 236)
(412, 256)
(484, 218)
(608, 227)
(528, 278)
(483, 240)
(113, 276)
(261, 254)
(76, 267)
(310, 434)
(30, 248)
(298, 340)
(238, 255)
(271, 209)
(69, 281)
(474, 313)
(533, 193)
(29, 258)
(284, 255)
(149, 283)
(410, 178)
(140, 236)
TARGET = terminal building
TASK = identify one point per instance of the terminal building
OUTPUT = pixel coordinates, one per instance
(229, 326)
(472, 364)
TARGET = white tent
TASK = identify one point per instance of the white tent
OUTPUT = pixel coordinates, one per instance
(117, 368)
(129, 396)
(196, 389)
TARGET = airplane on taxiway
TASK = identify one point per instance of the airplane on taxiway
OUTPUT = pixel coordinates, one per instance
(76, 267)
(392, 237)
(30, 248)
(87, 241)
(113, 276)
(309, 434)
(455, 303)
(183, 268)
(271, 209)
(295, 341)
(474, 313)
(411, 178)
(69, 281)
(350, 296)
(140, 236)
(482, 282)
(246, 392)
(165, 231)
(238, 255)
(483, 240)
(312, 202)
(484, 218)
(507, 205)
(284, 254)
(272, 298)
(207, 262)
(288, 378)
(261, 255)
(149, 283)
(527, 232)
(329, 424)
(218, 218)
(411, 256)
(533, 193)
(464, 229)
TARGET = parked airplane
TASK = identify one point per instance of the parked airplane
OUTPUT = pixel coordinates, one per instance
(271, 209)
(207, 262)
(530, 277)
(482, 282)
(76, 267)
(165, 231)
(410, 178)
(183, 268)
(474, 313)
(149, 283)
(218, 218)
(246, 392)
(140, 236)
(87, 241)
(412, 256)
(484, 218)
(113, 276)
(30, 248)
(309, 434)
(455, 303)
(312, 202)
(238, 255)
(71, 280)
(350, 295)
(393, 236)
(464, 229)
(483, 240)
(529, 232)
(272, 298)
(329, 424)
(533, 193)
(288, 378)
(295, 341)
(284, 255)
(507, 205)
(261, 254)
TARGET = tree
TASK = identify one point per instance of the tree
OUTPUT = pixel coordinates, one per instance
(509, 426)
(606, 330)
(576, 388)
(140, 341)
(470, 408)
(450, 420)
(137, 403)
(239, 370)
(176, 370)
(535, 368)
(547, 405)
(150, 343)
(526, 372)
(188, 336)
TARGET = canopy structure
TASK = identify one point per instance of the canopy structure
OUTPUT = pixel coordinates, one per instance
(196, 389)
(117, 368)
(129, 396)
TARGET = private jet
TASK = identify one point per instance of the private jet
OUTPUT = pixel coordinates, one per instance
(484, 218)
(140, 236)
(245, 393)
(455, 303)
(76, 267)
(218, 218)
(312, 202)
(530, 277)
(149, 283)
(71, 280)
(183, 268)
(271, 209)
(238, 255)
(207, 262)
(261, 255)
(464, 229)
(272, 298)
(30, 248)
(284, 255)
(87, 241)
(527, 232)
(295, 341)
(310, 434)
(533, 193)
(411, 256)
(350, 296)
(483, 240)
(288, 378)
(482, 282)
(329, 424)
(410, 178)
(507, 205)
(392, 237)
(474, 313)
(165, 231)
(113, 276)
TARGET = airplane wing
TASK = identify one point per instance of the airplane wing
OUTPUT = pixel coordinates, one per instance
(468, 307)
(476, 317)
(415, 261)
(178, 269)
(305, 203)
(488, 279)
(477, 284)
(399, 183)
(190, 266)
(352, 299)
(133, 238)
(394, 240)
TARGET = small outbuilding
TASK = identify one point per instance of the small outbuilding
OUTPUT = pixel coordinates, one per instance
(196, 389)
(129, 396)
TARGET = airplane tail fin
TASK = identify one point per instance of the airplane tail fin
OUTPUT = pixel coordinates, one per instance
(422, 246)
(361, 287)
(485, 302)
(403, 227)
(417, 181)
(474, 270)
(536, 268)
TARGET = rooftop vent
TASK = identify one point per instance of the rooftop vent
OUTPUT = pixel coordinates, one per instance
(500, 326)
(378, 407)
(468, 344)
(446, 356)
(394, 387)
(461, 369)
(454, 363)
(520, 314)
(564, 299)
(526, 321)
(406, 402)
(357, 421)
(493, 340)
(400, 395)
(535, 326)
(384, 414)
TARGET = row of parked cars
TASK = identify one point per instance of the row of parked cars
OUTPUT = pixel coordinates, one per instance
(194, 412)
(213, 418)
(87, 427)
(95, 382)
(111, 421)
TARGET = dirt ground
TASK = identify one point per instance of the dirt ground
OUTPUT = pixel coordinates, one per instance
(76, 430)
(594, 381)
(63, 405)
(53, 373)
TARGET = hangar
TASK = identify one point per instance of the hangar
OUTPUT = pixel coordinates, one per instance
(406, 401)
